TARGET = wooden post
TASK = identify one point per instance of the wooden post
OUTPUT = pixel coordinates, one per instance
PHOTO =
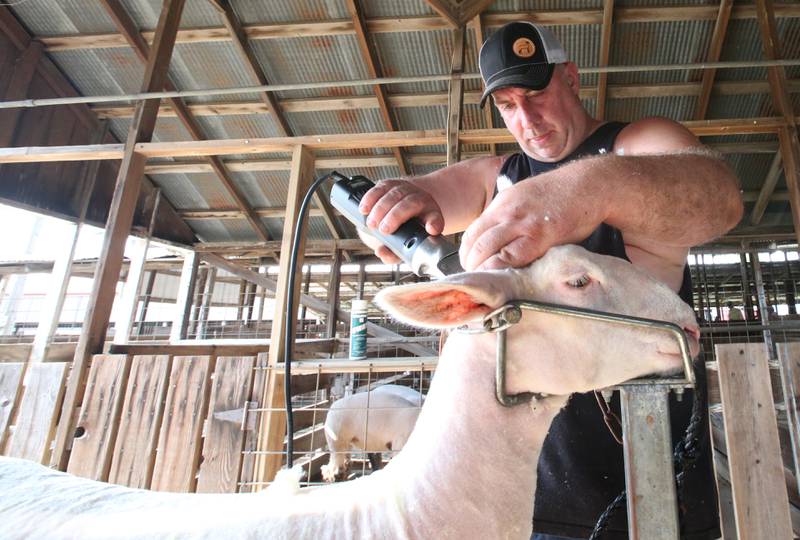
(148, 292)
(130, 294)
(761, 504)
(455, 102)
(54, 300)
(272, 427)
(333, 292)
(120, 218)
(205, 306)
(303, 308)
(183, 304)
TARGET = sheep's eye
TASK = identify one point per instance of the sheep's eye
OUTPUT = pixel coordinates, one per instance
(579, 283)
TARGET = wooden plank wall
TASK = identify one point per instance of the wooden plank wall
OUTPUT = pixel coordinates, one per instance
(153, 422)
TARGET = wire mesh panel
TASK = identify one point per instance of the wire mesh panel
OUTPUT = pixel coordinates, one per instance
(350, 418)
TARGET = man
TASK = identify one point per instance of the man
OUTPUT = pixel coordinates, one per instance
(646, 191)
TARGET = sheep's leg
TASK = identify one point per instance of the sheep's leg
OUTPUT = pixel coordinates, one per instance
(336, 467)
(375, 460)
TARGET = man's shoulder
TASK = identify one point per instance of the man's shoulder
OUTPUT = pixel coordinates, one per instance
(652, 135)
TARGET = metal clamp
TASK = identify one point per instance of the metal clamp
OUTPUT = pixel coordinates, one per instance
(501, 319)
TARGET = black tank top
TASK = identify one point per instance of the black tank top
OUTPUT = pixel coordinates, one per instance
(581, 468)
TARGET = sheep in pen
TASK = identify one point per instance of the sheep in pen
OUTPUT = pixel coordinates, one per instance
(468, 469)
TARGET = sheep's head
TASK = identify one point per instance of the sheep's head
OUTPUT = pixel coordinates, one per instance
(552, 353)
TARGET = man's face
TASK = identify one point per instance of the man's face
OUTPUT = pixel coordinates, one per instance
(543, 121)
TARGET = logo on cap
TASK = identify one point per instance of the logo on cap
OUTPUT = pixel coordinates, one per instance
(524, 48)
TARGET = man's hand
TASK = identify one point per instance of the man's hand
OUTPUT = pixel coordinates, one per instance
(526, 220)
(390, 204)
(393, 202)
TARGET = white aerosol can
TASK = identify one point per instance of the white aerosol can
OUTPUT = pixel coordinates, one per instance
(358, 330)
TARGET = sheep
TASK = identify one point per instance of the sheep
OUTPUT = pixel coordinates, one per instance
(468, 469)
(393, 411)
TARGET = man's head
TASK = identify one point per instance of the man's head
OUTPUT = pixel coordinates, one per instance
(519, 54)
(535, 89)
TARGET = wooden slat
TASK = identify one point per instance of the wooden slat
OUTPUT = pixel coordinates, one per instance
(99, 417)
(767, 189)
(38, 410)
(10, 376)
(180, 436)
(224, 437)
(246, 475)
(760, 500)
(142, 411)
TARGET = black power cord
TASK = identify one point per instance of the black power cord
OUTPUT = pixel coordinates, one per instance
(288, 338)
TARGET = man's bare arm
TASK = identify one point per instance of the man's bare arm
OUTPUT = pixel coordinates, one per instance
(662, 203)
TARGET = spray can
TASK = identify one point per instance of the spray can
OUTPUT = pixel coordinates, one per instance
(358, 330)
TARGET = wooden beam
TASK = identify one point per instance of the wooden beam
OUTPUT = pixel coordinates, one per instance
(241, 42)
(605, 51)
(471, 97)
(128, 29)
(272, 427)
(374, 70)
(767, 189)
(455, 103)
(787, 136)
(714, 52)
(36, 154)
(17, 88)
(448, 12)
(477, 27)
(118, 226)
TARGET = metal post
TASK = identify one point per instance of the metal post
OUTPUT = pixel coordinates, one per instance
(649, 475)
(747, 299)
(763, 307)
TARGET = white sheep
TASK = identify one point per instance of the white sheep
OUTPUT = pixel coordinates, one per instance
(469, 468)
(393, 411)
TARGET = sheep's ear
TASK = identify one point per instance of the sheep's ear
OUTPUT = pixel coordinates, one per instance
(442, 304)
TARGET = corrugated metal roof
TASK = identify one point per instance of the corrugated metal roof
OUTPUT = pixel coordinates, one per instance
(196, 13)
(402, 53)
(193, 191)
(312, 59)
(250, 12)
(63, 17)
(658, 43)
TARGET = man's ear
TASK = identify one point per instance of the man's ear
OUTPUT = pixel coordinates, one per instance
(571, 77)
(450, 302)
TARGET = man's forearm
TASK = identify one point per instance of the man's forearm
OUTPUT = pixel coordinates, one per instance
(681, 199)
(462, 191)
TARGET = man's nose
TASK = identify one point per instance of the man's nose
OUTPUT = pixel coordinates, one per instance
(530, 118)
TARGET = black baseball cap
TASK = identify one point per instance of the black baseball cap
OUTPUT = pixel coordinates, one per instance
(519, 54)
